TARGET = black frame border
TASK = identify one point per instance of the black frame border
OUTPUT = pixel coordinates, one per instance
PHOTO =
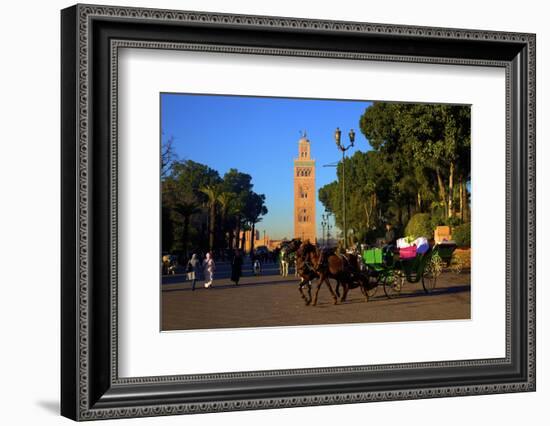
(90, 387)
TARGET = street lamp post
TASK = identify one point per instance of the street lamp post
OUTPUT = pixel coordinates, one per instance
(338, 137)
(325, 225)
(328, 228)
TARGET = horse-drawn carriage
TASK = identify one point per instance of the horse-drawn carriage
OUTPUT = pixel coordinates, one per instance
(389, 268)
(393, 269)
(287, 256)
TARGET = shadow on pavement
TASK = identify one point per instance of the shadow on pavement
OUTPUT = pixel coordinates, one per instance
(200, 285)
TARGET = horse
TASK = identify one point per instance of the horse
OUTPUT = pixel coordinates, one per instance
(286, 255)
(307, 273)
(343, 268)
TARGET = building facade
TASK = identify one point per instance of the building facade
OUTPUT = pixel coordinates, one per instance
(304, 192)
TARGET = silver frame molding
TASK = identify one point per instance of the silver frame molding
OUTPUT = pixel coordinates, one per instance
(91, 39)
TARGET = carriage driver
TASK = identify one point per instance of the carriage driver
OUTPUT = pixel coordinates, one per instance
(389, 239)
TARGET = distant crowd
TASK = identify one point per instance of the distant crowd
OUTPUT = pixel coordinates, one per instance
(199, 267)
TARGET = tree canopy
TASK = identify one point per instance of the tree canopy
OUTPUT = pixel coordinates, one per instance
(419, 161)
(204, 211)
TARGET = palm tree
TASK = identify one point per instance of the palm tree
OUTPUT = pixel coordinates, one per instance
(237, 211)
(186, 210)
(254, 210)
(226, 201)
(243, 228)
(212, 192)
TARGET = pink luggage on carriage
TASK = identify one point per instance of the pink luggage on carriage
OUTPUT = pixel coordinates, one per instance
(407, 252)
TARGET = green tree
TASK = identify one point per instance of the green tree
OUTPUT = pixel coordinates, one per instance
(178, 206)
(419, 163)
(186, 210)
(182, 203)
(419, 226)
(254, 210)
(226, 201)
(439, 137)
(368, 193)
(239, 184)
(437, 140)
(212, 192)
(203, 211)
(193, 176)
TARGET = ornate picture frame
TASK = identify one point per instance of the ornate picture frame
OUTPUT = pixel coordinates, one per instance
(91, 387)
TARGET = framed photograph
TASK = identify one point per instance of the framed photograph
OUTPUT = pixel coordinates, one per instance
(263, 212)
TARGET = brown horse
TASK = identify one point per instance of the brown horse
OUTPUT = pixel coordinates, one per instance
(343, 268)
(307, 272)
(290, 253)
(307, 275)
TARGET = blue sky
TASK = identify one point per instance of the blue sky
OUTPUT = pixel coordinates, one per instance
(259, 136)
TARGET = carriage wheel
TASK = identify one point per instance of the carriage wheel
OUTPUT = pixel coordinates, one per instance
(436, 264)
(429, 278)
(456, 265)
(372, 291)
(393, 284)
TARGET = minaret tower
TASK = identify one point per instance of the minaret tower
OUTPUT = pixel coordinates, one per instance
(304, 192)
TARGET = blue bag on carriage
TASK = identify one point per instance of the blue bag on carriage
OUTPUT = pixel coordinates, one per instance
(422, 245)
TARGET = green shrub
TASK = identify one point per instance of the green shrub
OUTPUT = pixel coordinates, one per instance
(453, 221)
(420, 225)
(436, 221)
(441, 220)
(462, 235)
(437, 214)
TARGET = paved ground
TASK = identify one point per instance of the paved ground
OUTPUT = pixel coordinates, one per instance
(271, 300)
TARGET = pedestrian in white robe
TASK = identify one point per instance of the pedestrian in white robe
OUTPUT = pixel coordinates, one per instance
(209, 267)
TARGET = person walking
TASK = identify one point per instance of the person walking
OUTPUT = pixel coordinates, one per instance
(257, 267)
(236, 267)
(192, 266)
(209, 267)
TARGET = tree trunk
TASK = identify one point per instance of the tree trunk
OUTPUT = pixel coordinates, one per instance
(418, 201)
(212, 227)
(465, 204)
(370, 208)
(461, 198)
(230, 238)
(222, 240)
(399, 215)
(243, 240)
(367, 215)
(451, 190)
(252, 237)
(185, 236)
(238, 232)
(376, 211)
(442, 192)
